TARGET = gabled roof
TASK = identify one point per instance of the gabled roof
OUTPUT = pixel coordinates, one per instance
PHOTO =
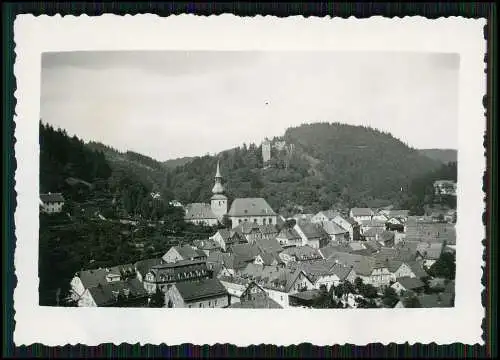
(94, 277)
(410, 283)
(268, 229)
(281, 279)
(246, 252)
(199, 211)
(362, 265)
(361, 212)
(105, 295)
(329, 214)
(250, 207)
(269, 258)
(417, 269)
(176, 271)
(51, 198)
(332, 228)
(201, 289)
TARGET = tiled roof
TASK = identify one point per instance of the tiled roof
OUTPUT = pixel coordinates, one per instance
(94, 277)
(329, 214)
(250, 207)
(342, 271)
(51, 198)
(105, 295)
(374, 223)
(373, 246)
(357, 245)
(187, 252)
(258, 303)
(410, 283)
(268, 245)
(172, 272)
(362, 212)
(247, 252)
(362, 265)
(311, 230)
(332, 228)
(302, 252)
(201, 289)
(307, 295)
(199, 211)
(417, 269)
(387, 236)
(246, 228)
(268, 229)
(269, 258)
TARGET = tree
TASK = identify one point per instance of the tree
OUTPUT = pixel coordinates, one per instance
(390, 298)
(444, 267)
(411, 301)
(157, 299)
(358, 284)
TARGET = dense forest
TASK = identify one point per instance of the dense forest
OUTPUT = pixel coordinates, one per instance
(443, 155)
(330, 165)
(100, 193)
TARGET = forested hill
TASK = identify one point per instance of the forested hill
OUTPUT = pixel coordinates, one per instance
(443, 155)
(328, 165)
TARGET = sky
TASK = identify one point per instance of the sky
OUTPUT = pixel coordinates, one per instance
(170, 104)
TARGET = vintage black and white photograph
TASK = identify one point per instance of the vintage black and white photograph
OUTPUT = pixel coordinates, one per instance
(259, 178)
(230, 179)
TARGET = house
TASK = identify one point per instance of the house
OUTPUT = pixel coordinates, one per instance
(288, 237)
(255, 210)
(185, 252)
(429, 253)
(51, 203)
(206, 245)
(406, 284)
(323, 216)
(360, 214)
(300, 253)
(223, 264)
(268, 231)
(142, 267)
(200, 214)
(303, 217)
(278, 282)
(86, 279)
(203, 293)
(327, 273)
(387, 238)
(366, 225)
(248, 230)
(350, 225)
(370, 270)
(225, 238)
(311, 234)
(335, 231)
(164, 275)
(445, 187)
(268, 259)
(126, 293)
(175, 203)
(255, 297)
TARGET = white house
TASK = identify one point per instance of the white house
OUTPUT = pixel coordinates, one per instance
(51, 203)
(255, 210)
(361, 214)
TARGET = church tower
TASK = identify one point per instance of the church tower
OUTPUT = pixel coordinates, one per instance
(218, 200)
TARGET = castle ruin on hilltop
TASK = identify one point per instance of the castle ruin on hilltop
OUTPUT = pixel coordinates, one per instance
(277, 144)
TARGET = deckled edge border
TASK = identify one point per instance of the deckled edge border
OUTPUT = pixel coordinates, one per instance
(316, 10)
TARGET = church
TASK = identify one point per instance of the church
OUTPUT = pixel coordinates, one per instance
(255, 210)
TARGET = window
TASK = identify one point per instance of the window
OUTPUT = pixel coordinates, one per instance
(215, 302)
(255, 221)
(209, 303)
(239, 221)
(264, 221)
(270, 220)
(201, 304)
(189, 306)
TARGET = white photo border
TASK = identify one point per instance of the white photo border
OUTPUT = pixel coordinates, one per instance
(54, 326)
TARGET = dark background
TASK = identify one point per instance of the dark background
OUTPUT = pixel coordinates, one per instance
(282, 9)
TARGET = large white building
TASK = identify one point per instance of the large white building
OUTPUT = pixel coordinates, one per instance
(255, 210)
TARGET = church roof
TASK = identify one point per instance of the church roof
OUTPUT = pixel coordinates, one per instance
(250, 207)
(199, 211)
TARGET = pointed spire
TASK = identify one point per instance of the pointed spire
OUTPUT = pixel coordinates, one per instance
(217, 174)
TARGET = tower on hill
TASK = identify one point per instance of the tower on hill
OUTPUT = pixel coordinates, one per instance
(266, 151)
(218, 200)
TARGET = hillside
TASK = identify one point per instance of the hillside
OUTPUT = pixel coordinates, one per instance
(173, 163)
(330, 165)
(443, 155)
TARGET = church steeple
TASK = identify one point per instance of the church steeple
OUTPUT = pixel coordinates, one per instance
(218, 188)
